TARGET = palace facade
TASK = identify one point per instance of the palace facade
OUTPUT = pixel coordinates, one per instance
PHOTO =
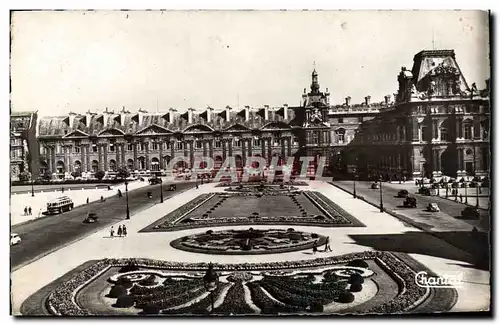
(435, 124)
(23, 145)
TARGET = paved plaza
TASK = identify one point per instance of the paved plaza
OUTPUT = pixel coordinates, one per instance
(382, 232)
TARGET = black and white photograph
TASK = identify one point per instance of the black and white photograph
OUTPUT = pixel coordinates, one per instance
(250, 163)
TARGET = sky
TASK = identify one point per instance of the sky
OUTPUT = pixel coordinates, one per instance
(64, 61)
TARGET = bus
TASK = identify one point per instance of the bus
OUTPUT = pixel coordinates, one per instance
(59, 205)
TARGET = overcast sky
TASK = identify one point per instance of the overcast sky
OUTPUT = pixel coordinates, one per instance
(76, 61)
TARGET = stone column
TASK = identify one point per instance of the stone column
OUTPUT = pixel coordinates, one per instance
(416, 130)
(49, 158)
(434, 129)
(100, 153)
(147, 156)
(230, 147)
(269, 150)
(105, 150)
(211, 148)
(82, 158)
(161, 154)
(172, 149)
(224, 154)
(191, 153)
(263, 147)
(136, 162)
(460, 159)
(124, 162)
(69, 152)
(117, 153)
(205, 148)
(244, 151)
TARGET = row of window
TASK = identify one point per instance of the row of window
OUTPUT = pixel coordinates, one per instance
(179, 145)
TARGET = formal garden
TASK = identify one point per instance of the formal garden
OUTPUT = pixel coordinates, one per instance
(362, 283)
(249, 241)
(247, 206)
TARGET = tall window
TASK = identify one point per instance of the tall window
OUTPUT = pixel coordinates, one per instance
(468, 131)
(94, 147)
(77, 149)
(167, 145)
(444, 134)
(340, 137)
(237, 143)
(155, 145)
(143, 146)
(130, 147)
(199, 144)
(180, 145)
(111, 147)
(315, 138)
(217, 143)
(276, 142)
(256, 142)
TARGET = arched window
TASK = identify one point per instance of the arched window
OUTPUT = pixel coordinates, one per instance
(468, 130)
(142, 163)
(60, 167)
(130, 164)
(155, 164)
(112, 165)
(95, 166)
(443, 129)
(77, 166)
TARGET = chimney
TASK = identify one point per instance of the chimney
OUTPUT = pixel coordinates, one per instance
(247, 113)
(171, 115)
(209, 114)
(285, 112)
(367, 100)
(88, 118)
(228, 113)
(266, 112)
(348, 101)
(387, 98)
(190, 115)
(71, 118)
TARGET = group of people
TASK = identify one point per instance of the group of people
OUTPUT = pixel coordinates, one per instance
(27, 211)
(327, 246)
(122, 231)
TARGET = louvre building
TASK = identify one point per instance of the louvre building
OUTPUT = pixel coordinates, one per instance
(436, 124)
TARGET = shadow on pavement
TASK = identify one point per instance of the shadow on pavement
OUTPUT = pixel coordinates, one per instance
(475, 244)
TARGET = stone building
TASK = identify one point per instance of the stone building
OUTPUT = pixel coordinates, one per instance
(23, 144)
(438, 125)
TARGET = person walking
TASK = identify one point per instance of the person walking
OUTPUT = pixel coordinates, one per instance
(25, 211)
(29, 211)
(461, 198)
(315, 247)
(119, 232)
(112, 231)
(87, 200)
(40, 213)
(124, 231)
(327, 244)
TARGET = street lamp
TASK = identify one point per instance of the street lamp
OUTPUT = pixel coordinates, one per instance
(211, 280)
(381, 200)
(161, 190)
(465, 186)
(354, 192)
(32, 187)
(126, 194)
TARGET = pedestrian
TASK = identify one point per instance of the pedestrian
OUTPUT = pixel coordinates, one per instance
(40, 213)
(119, 232)
(461, 198)
(62, 189)
(102, 198)
(315, 247)
(112, 231)
(25, 211)
(87, 200)
(124, 231)
(29, 210)
(327, 244)
(196, 185)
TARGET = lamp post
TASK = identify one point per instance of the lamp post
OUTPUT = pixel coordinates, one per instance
(32, 187)
(126, 194)
(210, 281)
(161, 190)
(381, 199)
(465, 186)
(355, 176)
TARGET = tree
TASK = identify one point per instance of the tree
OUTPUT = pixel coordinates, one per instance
(24, 176)
(100, 174)
(122, 173)
(46, 176)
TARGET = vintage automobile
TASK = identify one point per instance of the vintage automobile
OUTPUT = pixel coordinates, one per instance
(91, 218)
(14, 239)
(154, 181)
(470, 213)
(410, 202)
(375, 186)
(59, 205)
(433, 207)
(172, 187)
(403, 193)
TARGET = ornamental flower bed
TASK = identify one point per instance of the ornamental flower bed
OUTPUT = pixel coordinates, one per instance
(297, 291)
(234, 302)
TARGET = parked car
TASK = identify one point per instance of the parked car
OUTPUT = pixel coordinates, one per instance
(172, 187)
(403, 193)
(410, 202)
(154, 181)
(424, 191)
(14, 239)
(470, 213)
(375, 186)
(433, 207)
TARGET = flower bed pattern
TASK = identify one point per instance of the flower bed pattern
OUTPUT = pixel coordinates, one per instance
(248, 242)
(291, 294)
(291, 182)
(303, 208)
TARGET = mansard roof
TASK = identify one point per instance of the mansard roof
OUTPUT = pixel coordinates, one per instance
(109, 123)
